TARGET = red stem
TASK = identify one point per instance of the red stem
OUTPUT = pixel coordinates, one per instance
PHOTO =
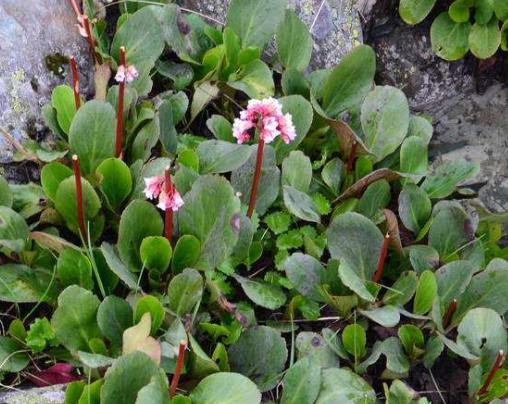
(497, 364)
(119, 113)
(79, 196)
(178, 368)
(352, 157)
(75, 81)
(449, 313)
(168, 217)
(256, 179)
(89, 37)
(76, 8)
(382, 258)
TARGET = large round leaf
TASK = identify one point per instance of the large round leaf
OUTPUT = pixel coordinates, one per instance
(184, 291)
(306, 274)
(92, 134)
(449, 38)
(484, 39)
(140, 219)
(344, 386)
(116, 183)
(356, 240)
(226, 388)
(415, 11)
(385, 120)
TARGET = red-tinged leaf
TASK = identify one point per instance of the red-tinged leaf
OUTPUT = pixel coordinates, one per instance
(56, 374)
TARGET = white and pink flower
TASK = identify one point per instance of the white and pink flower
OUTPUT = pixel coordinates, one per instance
(127, 73)
(155, 187)
(267, 116)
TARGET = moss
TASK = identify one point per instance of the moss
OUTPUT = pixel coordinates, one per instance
(17, 77)
(55, 63)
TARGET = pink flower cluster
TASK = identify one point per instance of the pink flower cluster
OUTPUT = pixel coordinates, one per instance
(126, 73)
(155, 187)
(267, 116)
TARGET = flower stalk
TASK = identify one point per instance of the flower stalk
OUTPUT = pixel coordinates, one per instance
(449, 313)
(119, 114)
(497, 364)
(79, 196)
(89, 37)
(382, 258)
(352, 157)
(75, 81)
(257, 178)
(168, 213)
(178, 369)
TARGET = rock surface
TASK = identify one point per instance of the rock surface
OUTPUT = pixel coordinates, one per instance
(44, 395)
(36, 36)
(467, 125)
(335, 25)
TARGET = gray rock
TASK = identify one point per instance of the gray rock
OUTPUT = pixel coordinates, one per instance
(467, 125)
(36, 36)
(334, 24)
(42, 395)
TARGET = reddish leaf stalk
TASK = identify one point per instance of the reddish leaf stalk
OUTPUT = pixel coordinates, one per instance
(352, 157)
(119, 113)
(497, 364)
(79, 196)
(382, 258)
(75, 7)
(257, 178)
(89, 37)
(178, 368)
(168, 216)
(449, 313)
(75, 81)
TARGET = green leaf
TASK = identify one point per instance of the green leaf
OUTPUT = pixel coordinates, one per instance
(301, 383)
(414, 207)
(459, 10)
(354, 340)
(187, 253)
(52, 175)
(278, 222)
(344, 386)
(255, 21)
(62, 100)
(332, 174)
(300, 204)
(74, 268)
(414, 156)
(226, 388)
(351, 279)
(155, 253)
(302, 114)
(128, 375)
(28, 199)
(74, 320)
(12, 357)
(391, 348)
(306, 275)
(501, 10)
(449, 39)
(386, 316)
(21, 284)
(357, 241)
(260, 354)
(155, 392)
(452, 280)
(218, 156)
(204, 93)
(375, 198)
(484, 10)
(40, 335)
(114, 316)
(423, 257)
(116, 182)
(385, 120)
(92, 134)
(221, 128)
(340, 91)
(140, 34)
(118, 267)
(91, 393)
(262, 293)
(319, 350)
(185, 291)
(140, 219)
(13, 230)
(484, 39)
(420, 127)
(269, 185)
(294, 42)
(297, 171)
(415, 11)
(411, 337)
(150, 304)
(208, 214)
(447, 232)
(487, 289)
(254, 79)
(5, 193)
(294, 82)
(402, 290)
(426, 291)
